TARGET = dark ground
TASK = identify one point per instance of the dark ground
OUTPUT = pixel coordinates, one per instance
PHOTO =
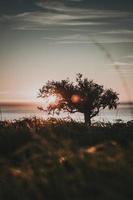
(58, 160)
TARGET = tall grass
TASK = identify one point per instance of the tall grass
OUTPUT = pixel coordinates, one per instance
(56, 159)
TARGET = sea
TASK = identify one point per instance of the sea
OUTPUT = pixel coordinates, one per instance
(18, 111)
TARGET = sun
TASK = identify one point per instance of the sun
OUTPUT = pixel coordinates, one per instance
(52, 99)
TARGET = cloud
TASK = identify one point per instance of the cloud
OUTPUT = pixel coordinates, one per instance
(11, 7)
(40, 20)
(115, 32)
(73, 17)
(68, 39)
(87, 42)
(123, 64)
(84, 38)
(61, 7)
(60, 17)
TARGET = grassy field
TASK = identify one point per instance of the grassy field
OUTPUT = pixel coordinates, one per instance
(59, 160)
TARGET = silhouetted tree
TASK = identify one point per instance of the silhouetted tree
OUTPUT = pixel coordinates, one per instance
(84, 96)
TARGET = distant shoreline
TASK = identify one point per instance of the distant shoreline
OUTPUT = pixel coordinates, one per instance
(19, 103)
(36, 103)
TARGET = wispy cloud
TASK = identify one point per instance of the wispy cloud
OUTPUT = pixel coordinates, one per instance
(115, 32)
(87, 42)
(60, 16)
(43, 20)
(60, 13)
(123, 64)
(128, 57)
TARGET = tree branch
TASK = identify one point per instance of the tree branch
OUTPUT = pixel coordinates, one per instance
(71, 111)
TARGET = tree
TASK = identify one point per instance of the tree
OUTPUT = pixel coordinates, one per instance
(83, 96)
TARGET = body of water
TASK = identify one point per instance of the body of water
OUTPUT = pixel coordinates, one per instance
(11, 112)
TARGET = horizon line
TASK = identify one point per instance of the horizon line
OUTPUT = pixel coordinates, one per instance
(37, 102)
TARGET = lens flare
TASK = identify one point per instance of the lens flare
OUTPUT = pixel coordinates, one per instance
(75, 98)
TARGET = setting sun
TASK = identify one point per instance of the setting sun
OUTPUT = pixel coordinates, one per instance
(52, 99)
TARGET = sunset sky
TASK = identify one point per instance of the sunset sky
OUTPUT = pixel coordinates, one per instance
(42, 40)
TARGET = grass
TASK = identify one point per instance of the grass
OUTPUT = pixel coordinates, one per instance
(64, 160)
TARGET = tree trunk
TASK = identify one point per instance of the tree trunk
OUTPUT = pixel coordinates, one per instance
(87, 119)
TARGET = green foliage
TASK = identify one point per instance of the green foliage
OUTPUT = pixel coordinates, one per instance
(56, 159)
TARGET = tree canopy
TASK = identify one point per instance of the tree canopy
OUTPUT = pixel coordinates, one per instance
(83, 96)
